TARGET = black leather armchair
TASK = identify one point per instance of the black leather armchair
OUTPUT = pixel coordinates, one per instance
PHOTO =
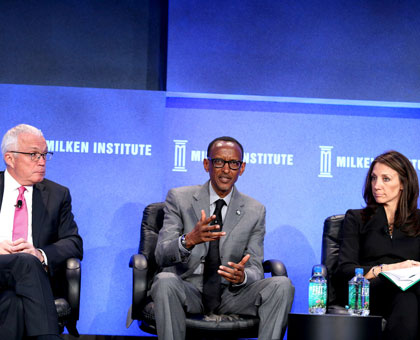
(331, 241)
(145, 267)
(66, 289)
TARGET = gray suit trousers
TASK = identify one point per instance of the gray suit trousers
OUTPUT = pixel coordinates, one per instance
(271, 299)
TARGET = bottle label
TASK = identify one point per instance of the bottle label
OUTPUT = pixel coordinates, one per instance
(317, 295)
(358, 297)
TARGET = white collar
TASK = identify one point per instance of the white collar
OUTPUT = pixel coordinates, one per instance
(11, 184)
(214, 196)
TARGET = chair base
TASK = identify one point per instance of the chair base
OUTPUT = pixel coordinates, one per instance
(200, 329)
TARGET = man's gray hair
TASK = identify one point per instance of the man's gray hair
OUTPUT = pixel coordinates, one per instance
(10, 139)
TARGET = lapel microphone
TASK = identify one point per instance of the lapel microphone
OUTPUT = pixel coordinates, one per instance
(18, 204)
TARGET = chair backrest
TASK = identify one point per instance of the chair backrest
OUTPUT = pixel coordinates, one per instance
(151, 224)
(331, 241)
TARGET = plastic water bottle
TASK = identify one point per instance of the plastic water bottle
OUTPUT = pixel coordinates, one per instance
(317, 292)
(359, 294)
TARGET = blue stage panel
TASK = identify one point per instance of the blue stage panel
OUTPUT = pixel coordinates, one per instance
(119, 150)
(322, 49)
(109, 188)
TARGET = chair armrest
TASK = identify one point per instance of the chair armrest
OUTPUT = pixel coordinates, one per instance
(73, 275)
(275, 267)
(139, 264)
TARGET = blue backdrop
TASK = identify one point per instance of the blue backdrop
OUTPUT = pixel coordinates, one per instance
(257, 70)
(327, 49)
(119, 150)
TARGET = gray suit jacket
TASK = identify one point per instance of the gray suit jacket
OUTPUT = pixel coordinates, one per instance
(244, 225)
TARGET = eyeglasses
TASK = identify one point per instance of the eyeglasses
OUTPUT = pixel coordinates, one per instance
(36, 156)
(220, 163)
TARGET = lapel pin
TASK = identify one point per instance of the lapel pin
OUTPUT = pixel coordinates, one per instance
(238, 212)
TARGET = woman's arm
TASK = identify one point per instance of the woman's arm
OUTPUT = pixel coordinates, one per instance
(348, 258)
(376, 270)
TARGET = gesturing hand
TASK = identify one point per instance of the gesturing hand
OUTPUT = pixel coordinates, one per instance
(202, 231)
(235, 274)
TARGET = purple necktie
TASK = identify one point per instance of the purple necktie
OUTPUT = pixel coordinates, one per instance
(20, 223)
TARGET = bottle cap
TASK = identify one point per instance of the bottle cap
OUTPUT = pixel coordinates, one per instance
(359, 271)
(317, 269)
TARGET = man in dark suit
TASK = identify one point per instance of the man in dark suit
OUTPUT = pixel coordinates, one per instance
(37, 235)
(214, 264)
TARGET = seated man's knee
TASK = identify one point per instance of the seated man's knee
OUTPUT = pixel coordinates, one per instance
(165, 276)
(164, 281)
(27, 263)
(28, 259)
(283, 283)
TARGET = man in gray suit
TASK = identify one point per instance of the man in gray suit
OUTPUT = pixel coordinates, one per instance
(211, 269)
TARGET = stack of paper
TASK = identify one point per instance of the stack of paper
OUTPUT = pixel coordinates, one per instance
(403, 278)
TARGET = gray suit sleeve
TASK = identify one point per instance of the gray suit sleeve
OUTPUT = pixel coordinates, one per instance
(167, 251)
(255, 248)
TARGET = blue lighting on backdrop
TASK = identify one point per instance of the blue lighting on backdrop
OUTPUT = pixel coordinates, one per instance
(116, 151)
(313, 92)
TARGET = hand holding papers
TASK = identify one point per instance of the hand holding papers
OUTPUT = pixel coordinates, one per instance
(403, 278)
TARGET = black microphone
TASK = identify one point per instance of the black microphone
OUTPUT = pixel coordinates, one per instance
(18, 204)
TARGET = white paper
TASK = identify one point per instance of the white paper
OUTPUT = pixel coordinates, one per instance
(403, 278)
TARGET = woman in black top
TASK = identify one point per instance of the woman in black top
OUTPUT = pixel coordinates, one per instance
(385, 236)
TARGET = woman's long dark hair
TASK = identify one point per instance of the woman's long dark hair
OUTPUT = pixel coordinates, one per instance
(406, 218)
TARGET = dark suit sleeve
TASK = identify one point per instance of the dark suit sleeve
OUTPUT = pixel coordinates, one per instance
(349, 257)
(64, 241)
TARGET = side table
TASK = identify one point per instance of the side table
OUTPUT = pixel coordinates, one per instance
(334, 327)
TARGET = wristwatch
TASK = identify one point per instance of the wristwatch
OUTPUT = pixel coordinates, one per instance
(184, 242)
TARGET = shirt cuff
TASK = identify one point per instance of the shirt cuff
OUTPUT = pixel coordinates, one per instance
(184, 251)
(45, 263)
(241, 284)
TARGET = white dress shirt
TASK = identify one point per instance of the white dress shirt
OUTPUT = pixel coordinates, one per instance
(214, 197)
(7, 212)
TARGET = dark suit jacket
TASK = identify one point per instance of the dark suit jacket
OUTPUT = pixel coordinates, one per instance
(53, 227)
(367, 244)
(244, 225)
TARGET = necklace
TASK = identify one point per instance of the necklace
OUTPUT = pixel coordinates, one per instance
(390, 229)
